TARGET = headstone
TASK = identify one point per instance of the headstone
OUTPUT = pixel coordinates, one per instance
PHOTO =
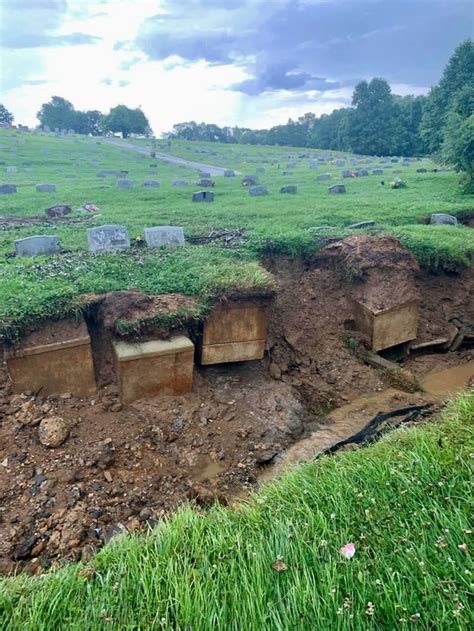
(363, 172)
(361, 224)
(125, 183)
(421, 170)
(164, 236)
(37, 245)
(11, 170)
(256, 191)
(250, 180)
(323, 177)
(291, 165)
(337, 188)
(442, 219)
(340, 163)
(109, 238)
(377, 171)
(346, 174)
(46, 188)
(287, 173)
(260, 170)
(59, 210)
(7, 189)
(205, 174)
(151, 183)
(203, 196)
(290, 188)
(206, 183)
(180, 183)
(102, 174)
(121, 174)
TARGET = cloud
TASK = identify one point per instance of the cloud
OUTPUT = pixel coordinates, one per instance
(281, 77)
(122, 83)
(106, 81)
(37, 40)
(126, 64)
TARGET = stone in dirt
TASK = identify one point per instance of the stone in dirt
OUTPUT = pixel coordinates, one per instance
(256, 191)
(46, 188)
(159, 236)
(442, 219)
(7, 189)
(108, 238)
(59, 210)
(37, 245)
(291, 188)
(203, 196)
(337, 189)
(53, 431)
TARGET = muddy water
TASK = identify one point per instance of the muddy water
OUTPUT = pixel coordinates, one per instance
(349, 419)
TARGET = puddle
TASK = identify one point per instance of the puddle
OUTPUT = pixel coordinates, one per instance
(211, 470)
(350, 419)
(449, 381)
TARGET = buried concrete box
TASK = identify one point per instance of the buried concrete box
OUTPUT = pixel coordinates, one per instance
(147, 369)
(54, 360)
(386, 327)
(234, 332)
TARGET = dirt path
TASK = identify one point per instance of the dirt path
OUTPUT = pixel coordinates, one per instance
(209, 168)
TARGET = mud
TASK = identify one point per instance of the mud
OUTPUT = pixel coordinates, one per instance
(124, 466)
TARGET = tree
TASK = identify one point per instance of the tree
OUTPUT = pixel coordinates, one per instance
(6, 117)
(372, 124)
(458, 137)
(458, 73)
(122, 119)
(58, 113)
(88, 123)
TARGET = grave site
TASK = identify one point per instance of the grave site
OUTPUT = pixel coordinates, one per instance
(157, 351)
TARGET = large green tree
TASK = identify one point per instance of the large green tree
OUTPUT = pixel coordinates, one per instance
(458, 136)
(458, 73)
(6, 117)
(121, 119)
(58, 113)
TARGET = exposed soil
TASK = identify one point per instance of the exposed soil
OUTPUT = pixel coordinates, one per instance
(124, 466)
(12, 221)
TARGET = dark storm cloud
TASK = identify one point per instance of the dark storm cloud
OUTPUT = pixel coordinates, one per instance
(408, 41)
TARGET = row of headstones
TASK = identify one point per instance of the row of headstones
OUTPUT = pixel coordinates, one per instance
(8, 189)
(108, 238)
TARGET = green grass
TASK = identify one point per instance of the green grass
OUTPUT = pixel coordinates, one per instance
(274, 224)
(404, 502)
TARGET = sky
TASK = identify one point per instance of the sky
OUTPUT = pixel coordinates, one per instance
(252, 63)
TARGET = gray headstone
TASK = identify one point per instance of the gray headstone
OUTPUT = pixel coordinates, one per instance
(121, 174)
(340, 163)
(102, 174)
(164, 236)
(180, 183)
(250, 180)
(337, 188)
(151, 183)
(421, 170)
(11, 170)
(442, 219)
(36, 245)
(205, 174)
(206, 183)
(346, 174)
(291, 165)
(287, 173)
(203, 196)
(7, 189)
(363, 172)
(125, 183)
(361, 224)
(108, 238)
(260, 170)
(46, 188)
(256, 191)
(290, 188)
(59, 210)
(377, 171)
(323, 177)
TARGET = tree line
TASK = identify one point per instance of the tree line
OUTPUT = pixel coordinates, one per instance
(379, 122)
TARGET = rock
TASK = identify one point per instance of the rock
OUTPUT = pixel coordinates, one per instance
(361, 224)
(275, 371)
(337, 188)
(289, 188)
(442, 219)
(59, 210)
(53, 431)
(178, 424)
(23, 550)
(265, 457)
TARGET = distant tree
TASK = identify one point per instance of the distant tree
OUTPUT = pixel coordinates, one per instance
(458, 73)
(58, 113)
(122, 119)
(6, 117)
(372, 124)
(88, 123)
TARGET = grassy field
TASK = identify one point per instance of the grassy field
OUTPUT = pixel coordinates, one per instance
(32, 288)
(274, 562)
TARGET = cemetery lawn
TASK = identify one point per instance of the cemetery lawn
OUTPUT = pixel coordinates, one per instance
(273, 562)
(274, 224)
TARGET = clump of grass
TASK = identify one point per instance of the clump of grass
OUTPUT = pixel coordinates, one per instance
(403, 502)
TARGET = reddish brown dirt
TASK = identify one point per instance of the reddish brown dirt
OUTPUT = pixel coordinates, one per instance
(124, 466)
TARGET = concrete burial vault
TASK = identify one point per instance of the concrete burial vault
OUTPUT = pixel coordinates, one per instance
(146, 369)
(387, 327)
(235, 331)
(54, 360)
